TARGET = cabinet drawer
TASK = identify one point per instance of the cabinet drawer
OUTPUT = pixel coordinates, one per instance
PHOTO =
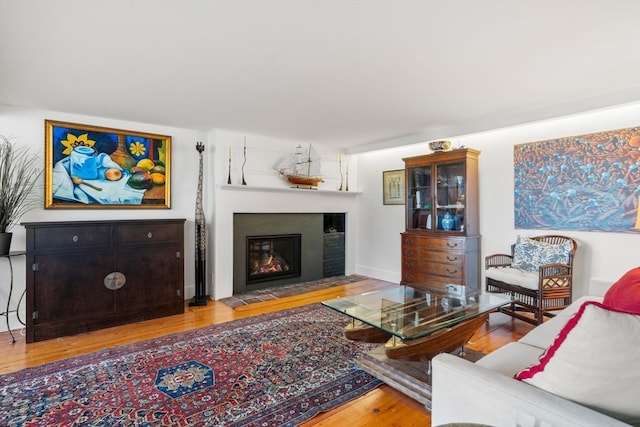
(422, 280)
(425, 255)
(434, 268)
(71, 237)
(149, 233)
(436, 243)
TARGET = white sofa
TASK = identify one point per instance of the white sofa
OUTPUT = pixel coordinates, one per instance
(486, 393)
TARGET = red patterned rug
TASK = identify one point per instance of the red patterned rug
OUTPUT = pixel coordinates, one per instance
(277, 369)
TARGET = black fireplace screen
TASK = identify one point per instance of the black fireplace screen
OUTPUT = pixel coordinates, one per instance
(273, 257)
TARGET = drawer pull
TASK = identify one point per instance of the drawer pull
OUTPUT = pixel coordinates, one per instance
(452, 272)
(115, 280)
(75, 238)
(452, 244)
(149, 234)
(449, 258)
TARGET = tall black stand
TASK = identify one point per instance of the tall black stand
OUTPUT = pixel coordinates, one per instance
(201, 297)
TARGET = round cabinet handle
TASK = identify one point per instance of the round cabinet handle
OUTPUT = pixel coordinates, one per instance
(455, 258)
(115, 280)
(149, 235)
(452, 272)
(452, 244)
(75, 238)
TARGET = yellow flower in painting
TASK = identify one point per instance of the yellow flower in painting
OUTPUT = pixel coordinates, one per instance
(137, 149)
(73, 141)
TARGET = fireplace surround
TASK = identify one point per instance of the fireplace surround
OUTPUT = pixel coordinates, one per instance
(231, 200)
(259, 237)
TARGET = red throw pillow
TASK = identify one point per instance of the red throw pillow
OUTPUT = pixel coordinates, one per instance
(624, 295)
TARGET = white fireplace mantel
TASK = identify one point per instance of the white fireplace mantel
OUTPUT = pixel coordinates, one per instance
(319, 191)
(231, 199)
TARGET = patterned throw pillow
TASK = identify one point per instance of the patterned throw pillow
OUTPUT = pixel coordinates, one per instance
(529, 254)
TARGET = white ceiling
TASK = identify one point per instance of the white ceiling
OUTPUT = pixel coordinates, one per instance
(352, 74)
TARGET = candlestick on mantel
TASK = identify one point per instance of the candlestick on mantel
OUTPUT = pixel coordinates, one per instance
(229, 177)
(347, 185)
(340, 169)
(245, 160)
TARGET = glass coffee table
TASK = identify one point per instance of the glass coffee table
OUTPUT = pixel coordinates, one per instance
(410, 317)
(416, 325)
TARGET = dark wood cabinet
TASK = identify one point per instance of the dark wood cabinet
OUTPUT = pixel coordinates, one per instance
(88, 275)
(441, 244)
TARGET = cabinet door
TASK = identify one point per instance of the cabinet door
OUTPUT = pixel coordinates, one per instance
(419, 198)
(154, 280)
(450, 196)
(442, 193)
(69, 292)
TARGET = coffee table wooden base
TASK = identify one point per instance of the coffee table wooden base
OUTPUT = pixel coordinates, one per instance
(443, 341)
(359, 331)
(405, 365)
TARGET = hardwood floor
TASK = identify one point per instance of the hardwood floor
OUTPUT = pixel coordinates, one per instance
(382, 406)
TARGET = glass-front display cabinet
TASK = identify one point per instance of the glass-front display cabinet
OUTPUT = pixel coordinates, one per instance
(441, 244)
(442, 192)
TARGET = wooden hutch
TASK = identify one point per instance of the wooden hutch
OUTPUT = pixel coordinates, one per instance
(441, 244)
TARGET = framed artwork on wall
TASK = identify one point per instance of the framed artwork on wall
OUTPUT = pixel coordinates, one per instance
(587, 182)
(95, 167)
(393, 187)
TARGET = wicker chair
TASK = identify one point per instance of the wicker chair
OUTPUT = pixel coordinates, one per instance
(554, 283)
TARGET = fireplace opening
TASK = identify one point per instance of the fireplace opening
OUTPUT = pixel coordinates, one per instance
(273, 257)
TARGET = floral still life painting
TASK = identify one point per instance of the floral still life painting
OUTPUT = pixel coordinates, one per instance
(589, 182)
(94, 167)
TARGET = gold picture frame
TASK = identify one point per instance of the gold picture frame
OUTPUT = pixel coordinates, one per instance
(393, 187)
(91, 167)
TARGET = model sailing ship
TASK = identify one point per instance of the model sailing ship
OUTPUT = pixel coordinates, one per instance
(302, 168)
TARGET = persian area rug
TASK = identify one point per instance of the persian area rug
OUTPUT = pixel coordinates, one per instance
(276, 369)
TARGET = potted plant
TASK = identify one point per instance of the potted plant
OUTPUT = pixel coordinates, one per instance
(19, 172)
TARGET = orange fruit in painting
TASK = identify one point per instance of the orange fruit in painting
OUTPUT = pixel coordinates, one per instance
(157, 178)
(113, 174)
(146, 164)
(635, 141)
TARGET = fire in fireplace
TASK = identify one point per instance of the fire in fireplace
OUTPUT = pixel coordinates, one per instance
(273, 257)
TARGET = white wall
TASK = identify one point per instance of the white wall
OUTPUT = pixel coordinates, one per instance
(601, 256)
(267, 192)
(373, 237)
(26, 126)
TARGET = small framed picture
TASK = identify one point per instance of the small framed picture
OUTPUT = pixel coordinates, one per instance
(95, 167)
(393, 187)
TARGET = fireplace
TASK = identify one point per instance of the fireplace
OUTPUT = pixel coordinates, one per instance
(274, 249)
(272, 257)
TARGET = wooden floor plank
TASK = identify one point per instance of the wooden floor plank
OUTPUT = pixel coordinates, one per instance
(382, 406)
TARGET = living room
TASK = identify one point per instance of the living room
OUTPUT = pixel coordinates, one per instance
(373, 229)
